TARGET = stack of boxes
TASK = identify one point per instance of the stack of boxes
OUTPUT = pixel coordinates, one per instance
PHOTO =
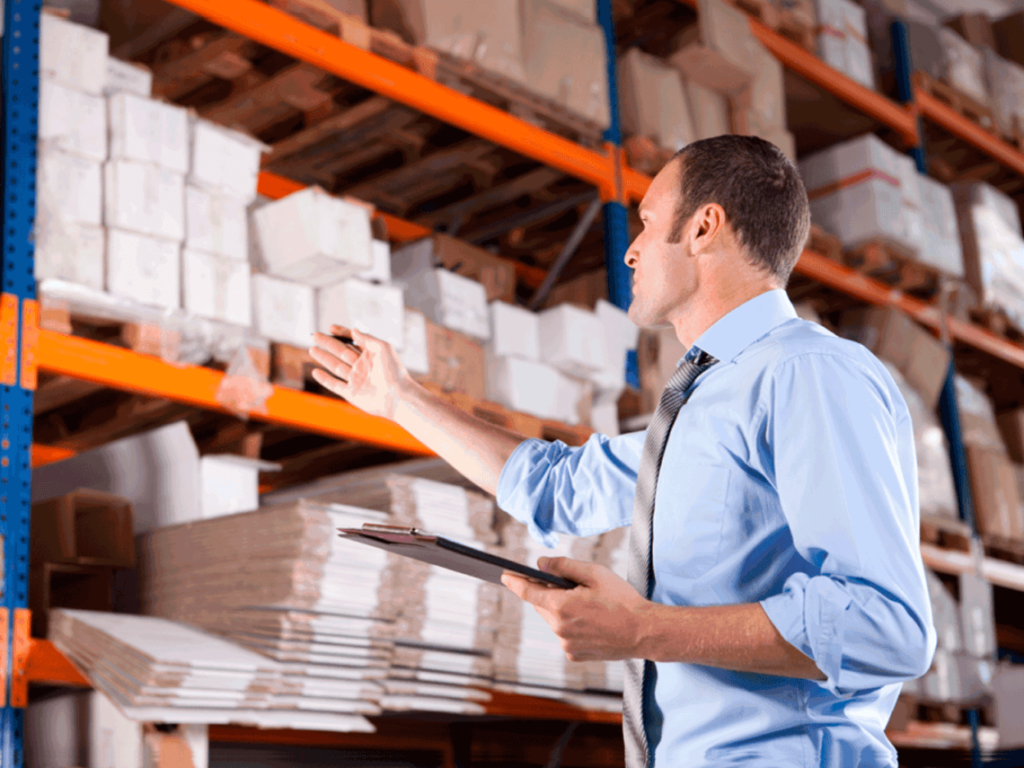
(843, 40)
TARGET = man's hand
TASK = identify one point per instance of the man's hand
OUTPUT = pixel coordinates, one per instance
(370, 378)
(602, 619)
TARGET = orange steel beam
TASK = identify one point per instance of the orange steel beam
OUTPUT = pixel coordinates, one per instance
(148, 375)
(48, 665)
(285, 33)
(48, 454)
(963, 128)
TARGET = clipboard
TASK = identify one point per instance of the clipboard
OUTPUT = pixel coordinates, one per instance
(445, 553)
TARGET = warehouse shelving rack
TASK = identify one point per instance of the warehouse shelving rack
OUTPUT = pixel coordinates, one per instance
(24, 348)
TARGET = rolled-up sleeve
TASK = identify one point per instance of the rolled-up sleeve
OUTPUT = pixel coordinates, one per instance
(840, 452)
(581, 491)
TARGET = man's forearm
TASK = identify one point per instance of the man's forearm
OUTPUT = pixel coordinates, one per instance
(736, 637)
(476, 448)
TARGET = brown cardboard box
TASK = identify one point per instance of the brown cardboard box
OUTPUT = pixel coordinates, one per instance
(653, 101)
(761, 108)
(894, 336)
(456, 362)
(723, 54)
(583, 291)
(994, 492)
(1009, 37)
(1011, 425)
(975, 28)
(657, 353)
(710, 111)
(497, 275)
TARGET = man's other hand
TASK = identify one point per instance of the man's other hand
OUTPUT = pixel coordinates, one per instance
(369, 377)
(602, 619)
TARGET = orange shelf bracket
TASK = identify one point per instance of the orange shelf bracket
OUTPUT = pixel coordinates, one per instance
(48, 665)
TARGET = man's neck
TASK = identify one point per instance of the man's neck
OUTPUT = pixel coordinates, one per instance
(708, 307)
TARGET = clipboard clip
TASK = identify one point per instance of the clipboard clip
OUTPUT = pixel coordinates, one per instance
(400, 530)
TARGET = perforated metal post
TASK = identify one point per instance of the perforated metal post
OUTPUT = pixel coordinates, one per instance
(19, 78)
(614, 213)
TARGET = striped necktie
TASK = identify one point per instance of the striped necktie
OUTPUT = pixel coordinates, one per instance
(641, 571)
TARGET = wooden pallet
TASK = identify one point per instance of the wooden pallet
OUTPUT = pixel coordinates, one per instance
(998, 322)
(897, 267)
(142, 336)
(1001, 548)
(824, 243)
(645, 155)
(946, 533)
(966, 106)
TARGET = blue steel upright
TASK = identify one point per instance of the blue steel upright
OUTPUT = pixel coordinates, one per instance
(19, 70)
(614, 213)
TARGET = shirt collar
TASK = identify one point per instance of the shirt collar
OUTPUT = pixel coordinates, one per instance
(749, 322)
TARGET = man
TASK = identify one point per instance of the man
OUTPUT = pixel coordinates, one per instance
(786, 598)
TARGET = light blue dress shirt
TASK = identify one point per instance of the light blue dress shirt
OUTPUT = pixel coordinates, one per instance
(789, 479)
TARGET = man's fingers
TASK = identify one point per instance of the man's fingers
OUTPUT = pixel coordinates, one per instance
(324, 379)
(336, 366)
(525, 589)
(574, 570)
(331, 345)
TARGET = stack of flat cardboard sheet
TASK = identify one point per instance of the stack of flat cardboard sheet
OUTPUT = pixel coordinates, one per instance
(157, 670)
(612, 551)
(281, 582)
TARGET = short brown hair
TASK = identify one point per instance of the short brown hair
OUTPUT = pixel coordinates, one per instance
(760, 191)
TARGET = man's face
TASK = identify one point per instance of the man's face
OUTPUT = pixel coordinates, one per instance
(664, 276)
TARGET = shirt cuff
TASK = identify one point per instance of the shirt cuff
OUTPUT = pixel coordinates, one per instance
(513, 480)
(809, 614)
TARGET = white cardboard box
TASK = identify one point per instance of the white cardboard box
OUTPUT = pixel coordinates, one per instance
(146, 269)
(72, 121)
(912, 213)
(942, 238)
(380, 270)
(69, 188)
(524, 385)
(604, 418)
(450, 300)
(72, 252)
(313, 238)
(620, 335)
(230, 483)
(128, 77)
(843, 40)
(374, 309)
(144, 198)
(73, 54)
(572, 340)
(414, 351)
(514, 331)
(148, 131)
(653, 100)
(216, 286)
(284, 311)
(568, 394)
(224, 160)
(855, 191)
(216, 223)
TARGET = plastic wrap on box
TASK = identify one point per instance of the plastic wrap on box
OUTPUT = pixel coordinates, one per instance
(843, 40)
(374, 309)
(69, 188)
(224, 160)
(1006, 92)
(216, 286)
(487, 33)
(941, 236)
(144, 198)
(72, 121)
(945, 614)
(912, 223)
(965, 65)
(72, 252)
(284, 311)
(73, 54)
(978, 424)
(148, 131)
(653, 101)
(216, 223)
(934, 474)
(146, 269)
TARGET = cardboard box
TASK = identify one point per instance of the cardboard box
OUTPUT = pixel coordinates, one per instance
(964, 66)
(574, 400)
(449, 299)
(284, 311)
(803, 11)
(956, 678)
(945, 615)
(997, 507)
(380, 270)
(1006, 92)
(223, 160)
(1008, 696)
(572, 340)
(456, 362)
(313, 238)
(941, 236)
(496, 274)
(489, 33)
(894, 336)
(515, 331)
(1009, 34)
(72, 54)
(912, 218)
(843, 40)
(658, 352)
(783, 139)
(978, 423)
(414, 351)
(620, 336)
(216, 223)
(144, 198)
(148, 131)
(653, 101)
(145, 269)
(583, 291)
(723, 54)
(524, 385)
(72, 252)
(230, 484)
(128, 77)
(710, 111)
(374, 309)
(72, 121)
(975, 28)
(761, 108)
(604, 418)
(977, 616)
(1011, 427)
(992, 245)
(69, 188)
(565, 60)
(855, 191)
(217, 287)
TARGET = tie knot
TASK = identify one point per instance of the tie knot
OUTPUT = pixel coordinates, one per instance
(688, 372)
